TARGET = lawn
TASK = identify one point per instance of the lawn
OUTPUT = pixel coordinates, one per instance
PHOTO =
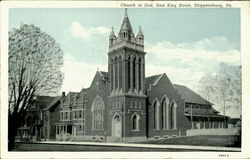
(203, 140)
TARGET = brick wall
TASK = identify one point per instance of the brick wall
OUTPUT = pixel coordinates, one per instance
(103, 91)
(164, 87)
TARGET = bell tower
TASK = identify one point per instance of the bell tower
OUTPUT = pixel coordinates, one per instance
(127, 99)
(126, 60)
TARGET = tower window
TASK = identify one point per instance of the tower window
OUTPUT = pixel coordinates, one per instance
(129, 73)
(135, 121)
(111, 74)
(139, 74)
(134, 74)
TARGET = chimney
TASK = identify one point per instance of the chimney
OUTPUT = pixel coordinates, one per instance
(63, 94)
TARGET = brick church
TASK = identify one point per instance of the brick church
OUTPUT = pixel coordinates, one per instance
(123, 105)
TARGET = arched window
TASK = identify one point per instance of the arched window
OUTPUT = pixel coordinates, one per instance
(134, 72)
(135, 121)
(129, 72)
(156, 114)
(139, 73)
(173, 115)
(165, 112)
(120, 73)
(97, 111)
(116, 72)
(111, 74)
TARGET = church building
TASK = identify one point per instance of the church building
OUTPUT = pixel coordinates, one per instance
(123, 105)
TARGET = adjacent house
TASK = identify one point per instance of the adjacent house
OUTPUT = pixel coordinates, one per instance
(31, 128)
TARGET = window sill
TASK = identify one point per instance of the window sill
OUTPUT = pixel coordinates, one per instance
(135, 130)
(78, 119)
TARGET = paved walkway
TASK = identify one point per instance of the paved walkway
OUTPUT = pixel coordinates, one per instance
(212, 148)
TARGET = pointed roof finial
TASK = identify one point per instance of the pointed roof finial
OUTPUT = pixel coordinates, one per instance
(112, 32)
(126, 12)
(126, 24)
(139, 32)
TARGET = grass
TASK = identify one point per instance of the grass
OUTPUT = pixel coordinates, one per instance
(203, 140)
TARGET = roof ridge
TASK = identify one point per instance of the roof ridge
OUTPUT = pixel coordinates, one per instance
(180, 91)
(101, 73)
(155, 75)
(158, 79)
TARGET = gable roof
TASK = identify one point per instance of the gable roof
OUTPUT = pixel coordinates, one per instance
(186, 93)
(190, 96)
(54, 101)
(152, 80)
(41, 102)
(202, 112)
(104, 74)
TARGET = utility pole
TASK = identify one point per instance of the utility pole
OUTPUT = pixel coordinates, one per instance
(192, 116)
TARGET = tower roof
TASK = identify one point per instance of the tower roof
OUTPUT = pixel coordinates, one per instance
(112, 32)
(139, 32)
(126, 24)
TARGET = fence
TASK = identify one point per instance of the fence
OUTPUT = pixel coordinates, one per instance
(220, 131)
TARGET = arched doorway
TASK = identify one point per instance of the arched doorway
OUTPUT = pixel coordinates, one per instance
(116, 126)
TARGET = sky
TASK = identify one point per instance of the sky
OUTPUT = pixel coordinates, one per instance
(183, 43)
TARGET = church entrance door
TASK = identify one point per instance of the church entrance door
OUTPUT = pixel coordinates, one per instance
(116, 126)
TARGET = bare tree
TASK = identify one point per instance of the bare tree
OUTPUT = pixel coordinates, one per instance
(223, 88)
(35, 60)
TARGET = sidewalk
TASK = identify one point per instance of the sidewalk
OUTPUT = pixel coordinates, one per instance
(207, 148)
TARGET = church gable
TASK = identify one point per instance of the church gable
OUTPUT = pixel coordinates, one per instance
(96, 104)
(165, 107)
(160, 84)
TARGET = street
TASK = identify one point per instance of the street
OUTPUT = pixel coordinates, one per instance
(68, 147)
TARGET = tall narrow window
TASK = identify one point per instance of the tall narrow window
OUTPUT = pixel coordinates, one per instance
(139, 73)
(135, 122)
(116, 73)
(129, 73)
(80, 114)
(173, 115)
(97, 110)
(111, 76)
(120, 73)
(165, 112)
(134, 72)
(156, 115)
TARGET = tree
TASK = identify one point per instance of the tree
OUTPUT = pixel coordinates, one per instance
(224, 88)
(34, 65)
